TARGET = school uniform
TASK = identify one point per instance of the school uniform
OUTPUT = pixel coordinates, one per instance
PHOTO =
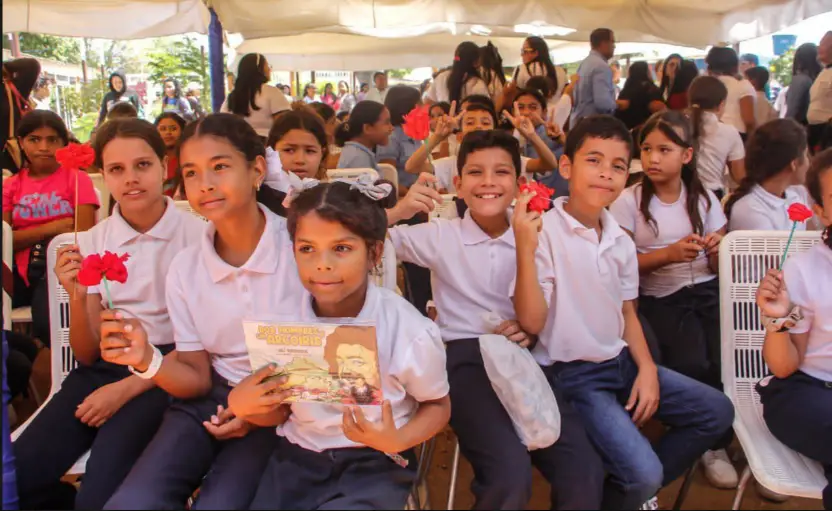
(316, 466)
(763, 211)
(399, 149)
(357, 156)
(55, 440)
(438, 90)
(719, 143)
(445, 169)
(208, 300)
(471, 275)
(586, 280)
(679, 300)
(798, 409)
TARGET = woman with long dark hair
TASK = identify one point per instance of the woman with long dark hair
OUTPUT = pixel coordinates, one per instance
(329, 98)
(174, 101)
(668, 70)
(804, 71)
(537, 62)
(677, 95)
(639, 98)
(346, 100)
(461, 80)
(739, 104)
(253, 98)
(491, 70)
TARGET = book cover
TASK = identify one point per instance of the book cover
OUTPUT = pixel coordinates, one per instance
(325, 362)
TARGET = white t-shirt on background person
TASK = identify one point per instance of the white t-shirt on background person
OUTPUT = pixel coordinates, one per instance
(271, 101)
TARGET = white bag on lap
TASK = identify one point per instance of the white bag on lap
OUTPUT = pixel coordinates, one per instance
(521, 387)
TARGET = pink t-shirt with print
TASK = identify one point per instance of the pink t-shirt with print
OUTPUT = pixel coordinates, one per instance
(33, 202)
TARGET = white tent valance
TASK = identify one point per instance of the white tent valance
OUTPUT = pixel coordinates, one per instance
(106, 19)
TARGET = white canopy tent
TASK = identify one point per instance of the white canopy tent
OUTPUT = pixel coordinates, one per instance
(344, 52)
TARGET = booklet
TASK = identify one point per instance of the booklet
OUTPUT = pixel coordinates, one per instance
(325, 362)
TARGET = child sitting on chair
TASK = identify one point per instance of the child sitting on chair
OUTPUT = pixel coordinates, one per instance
(796, 306)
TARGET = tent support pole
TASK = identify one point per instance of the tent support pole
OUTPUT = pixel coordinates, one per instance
(215, 58)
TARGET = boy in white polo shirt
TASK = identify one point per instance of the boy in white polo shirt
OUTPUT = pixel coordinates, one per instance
(472, 263)
(577, 290)
(796, 307)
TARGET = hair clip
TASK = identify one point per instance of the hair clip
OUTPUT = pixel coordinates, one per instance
(296, 186)
(456, 58)
(366, 185)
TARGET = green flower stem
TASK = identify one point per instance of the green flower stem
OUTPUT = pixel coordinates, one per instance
(785, 252)
(107, 290)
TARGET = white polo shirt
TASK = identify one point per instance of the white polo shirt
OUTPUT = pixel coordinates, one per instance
(763, 211)
(151, 254)
(208, 298)
(719, 144)
(445, 169)
(523, 73)
(585, 282)
(438, 90)
(737, 89)
(411, 362)
(807, 277)
(471, 273)
(673, 224)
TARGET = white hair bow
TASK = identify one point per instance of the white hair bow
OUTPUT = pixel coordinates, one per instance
(365, 183)
(296, 186)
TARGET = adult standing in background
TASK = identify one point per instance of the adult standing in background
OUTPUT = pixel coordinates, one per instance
(252, 97)
(747, 61)
(310, 94)
(42, 94)
(194, 91)
(172, 100)
(537, 61)
(805, 69)
(685, 74)
(345, 98)
(739, 105)
(329, 98)
(362, 92)
(819, 115)
(118, 93)
(640, 98)
(594, 93)
(463, 79)
(19, 77)
(379, 92)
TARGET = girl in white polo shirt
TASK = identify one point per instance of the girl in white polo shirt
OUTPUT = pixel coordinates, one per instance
(242, 267)
(350, 457)
(677, 225)
(796, 307)
(100, 406)
(777, 161)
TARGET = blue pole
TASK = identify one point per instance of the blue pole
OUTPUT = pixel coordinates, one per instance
(9, 479)
(215, 59)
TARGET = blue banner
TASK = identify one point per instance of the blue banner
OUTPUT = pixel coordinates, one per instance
(783, 43)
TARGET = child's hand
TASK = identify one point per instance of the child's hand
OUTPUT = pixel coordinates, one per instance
(62, 226)
(685, 250)
(772, 295)
(67, 267)
(382, 437)
(645, 396)
(224, 425)
(553, 131)
(102, 404)
(711, 243)
(523, 124)
(526, 224)
(124, 341)
(422, 197)
(512, 331)
(255, 396)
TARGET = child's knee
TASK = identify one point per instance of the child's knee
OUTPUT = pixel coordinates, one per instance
(721, 414)
(645, 478)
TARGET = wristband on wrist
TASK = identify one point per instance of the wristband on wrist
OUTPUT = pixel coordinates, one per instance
(780, 325)
(153, 368)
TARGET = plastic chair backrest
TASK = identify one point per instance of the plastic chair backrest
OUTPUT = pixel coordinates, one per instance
(447, 209)
(8, 255)
(62, 359)
(350, 174)
(104, 196)
(186, 207)
(744, 258)
(389, 173)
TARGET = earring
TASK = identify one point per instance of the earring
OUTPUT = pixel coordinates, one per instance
(258, 185)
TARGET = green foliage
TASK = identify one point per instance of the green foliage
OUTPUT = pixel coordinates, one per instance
(781, 68)
(82, 104)
(82, 128)
(398, 73)
(62, 49)
(181, 59)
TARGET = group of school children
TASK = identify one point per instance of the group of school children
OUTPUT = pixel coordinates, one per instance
(165, 398)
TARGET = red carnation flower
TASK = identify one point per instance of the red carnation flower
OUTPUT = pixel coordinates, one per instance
(799, 213)
(542, 196)
(110, 266)
(75, 156)
(417, 123)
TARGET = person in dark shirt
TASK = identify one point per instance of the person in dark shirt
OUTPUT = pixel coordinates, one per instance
(19, 78)
(639, 98)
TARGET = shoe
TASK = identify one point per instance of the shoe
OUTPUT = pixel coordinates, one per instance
(719, 471)
(651, 505)
(771, 495)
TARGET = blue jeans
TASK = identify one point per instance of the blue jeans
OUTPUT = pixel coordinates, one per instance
(696, 416)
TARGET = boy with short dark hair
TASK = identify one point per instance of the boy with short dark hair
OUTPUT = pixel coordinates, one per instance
(577, 284)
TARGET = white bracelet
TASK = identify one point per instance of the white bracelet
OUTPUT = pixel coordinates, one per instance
(153, 368)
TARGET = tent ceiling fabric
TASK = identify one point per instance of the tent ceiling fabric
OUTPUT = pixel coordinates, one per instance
(699, 23)
(340, 52)
(106, 19)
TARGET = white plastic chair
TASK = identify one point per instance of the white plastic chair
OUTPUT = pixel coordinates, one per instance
(389, 173)
(185, 206)
(744, 257)
(8, 255)
(104, 196)
(62, 359)
(350, 174)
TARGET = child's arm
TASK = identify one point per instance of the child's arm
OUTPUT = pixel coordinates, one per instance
(644, 398)
(25, 238)
(418, 161)
(257, 399)
(430, 418)
(783, 351)
(524, 125)
(421, 198)
(104, 402)
(684, 250)
(529, 300)
(711, 247)
(84, 307)
(737, 169)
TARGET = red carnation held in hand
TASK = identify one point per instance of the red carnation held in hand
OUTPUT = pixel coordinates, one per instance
(109, 266)
(417, 123)
(75, 156)
(542, 196)
(799, 213)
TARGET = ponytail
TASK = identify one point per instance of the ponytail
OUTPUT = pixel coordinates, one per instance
(365, 112)
(706, 93)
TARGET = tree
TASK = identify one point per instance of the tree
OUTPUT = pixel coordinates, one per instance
(781, 68)
(62, 49)
(181, 59)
